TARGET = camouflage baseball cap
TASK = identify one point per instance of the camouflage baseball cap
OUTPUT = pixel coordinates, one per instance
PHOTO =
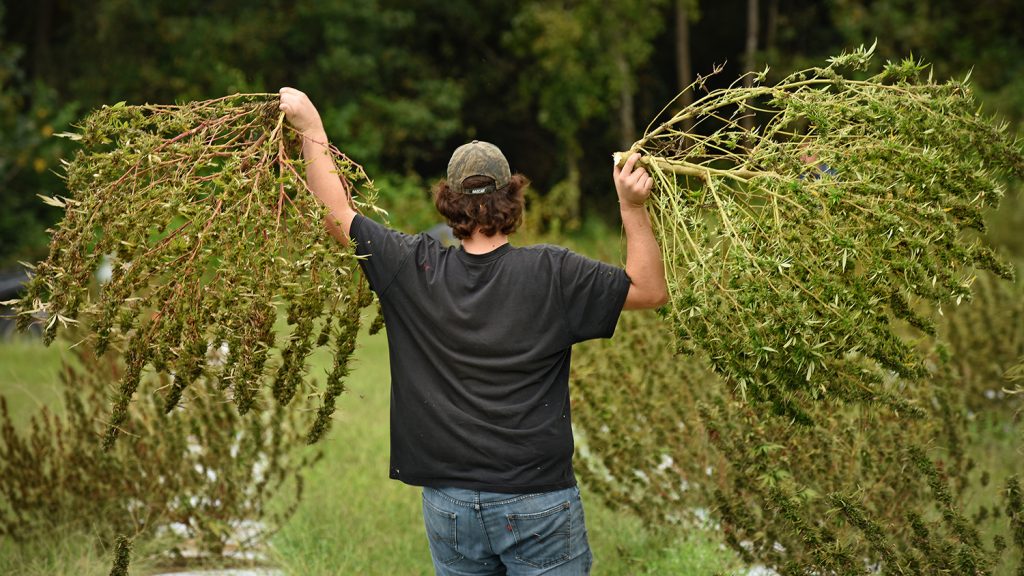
(478, 159)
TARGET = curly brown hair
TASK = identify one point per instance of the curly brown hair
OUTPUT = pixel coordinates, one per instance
(498, 211)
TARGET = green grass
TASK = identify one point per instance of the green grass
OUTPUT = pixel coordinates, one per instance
(69, 553)
(353, 518)
(63, 553)
(29, 375)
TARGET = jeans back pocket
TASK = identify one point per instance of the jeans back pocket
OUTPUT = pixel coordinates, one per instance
(442, 533)
(543, 538)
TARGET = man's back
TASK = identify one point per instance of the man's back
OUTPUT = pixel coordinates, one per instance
(480, 347)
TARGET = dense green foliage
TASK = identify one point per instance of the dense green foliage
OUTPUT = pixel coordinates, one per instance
(671, 441)
(402, 82)
(29, 113)
(815, 418)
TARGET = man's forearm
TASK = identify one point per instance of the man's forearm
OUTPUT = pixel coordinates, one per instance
(327, 185)
(643, 260)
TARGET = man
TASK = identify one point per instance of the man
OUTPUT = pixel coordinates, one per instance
(480, 337)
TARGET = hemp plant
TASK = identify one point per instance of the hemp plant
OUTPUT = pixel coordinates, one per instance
(205, 212)
(202, 477)
(805, 254)
(984, 340)
(861, 491)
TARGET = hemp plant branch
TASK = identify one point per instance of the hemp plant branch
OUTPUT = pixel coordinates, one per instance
(205, 214)
(806, 255)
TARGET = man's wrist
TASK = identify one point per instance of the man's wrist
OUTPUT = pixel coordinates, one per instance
(317, 135)
(626, 205)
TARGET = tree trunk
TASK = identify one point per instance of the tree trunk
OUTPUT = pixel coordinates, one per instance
(684, 59)
(627, 123)
(41, 59)
(772, 24)
(748, 61)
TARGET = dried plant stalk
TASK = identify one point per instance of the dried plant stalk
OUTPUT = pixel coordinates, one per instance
(204, 211)
(802, 254)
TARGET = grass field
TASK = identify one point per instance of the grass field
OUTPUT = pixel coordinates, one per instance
(353, 519)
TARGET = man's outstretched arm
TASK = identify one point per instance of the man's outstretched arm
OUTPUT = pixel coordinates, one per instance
(321, 172)
(643, 256)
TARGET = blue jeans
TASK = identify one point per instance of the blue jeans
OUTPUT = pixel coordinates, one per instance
(474, 533)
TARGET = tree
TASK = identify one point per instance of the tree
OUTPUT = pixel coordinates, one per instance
(750, 52)
(584, 51)
(29, 113)
(686, 11)
(958, 38)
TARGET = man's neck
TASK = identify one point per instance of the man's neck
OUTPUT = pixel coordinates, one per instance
(480, 244)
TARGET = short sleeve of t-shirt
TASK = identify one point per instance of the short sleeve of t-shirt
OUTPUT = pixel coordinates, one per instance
(385, 251)
(593, 294)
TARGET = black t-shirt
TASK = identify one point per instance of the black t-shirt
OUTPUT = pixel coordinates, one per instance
(480, 348)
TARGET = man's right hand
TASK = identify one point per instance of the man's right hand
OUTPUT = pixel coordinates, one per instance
(632, 182)
(300, 111)
(644, 267)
